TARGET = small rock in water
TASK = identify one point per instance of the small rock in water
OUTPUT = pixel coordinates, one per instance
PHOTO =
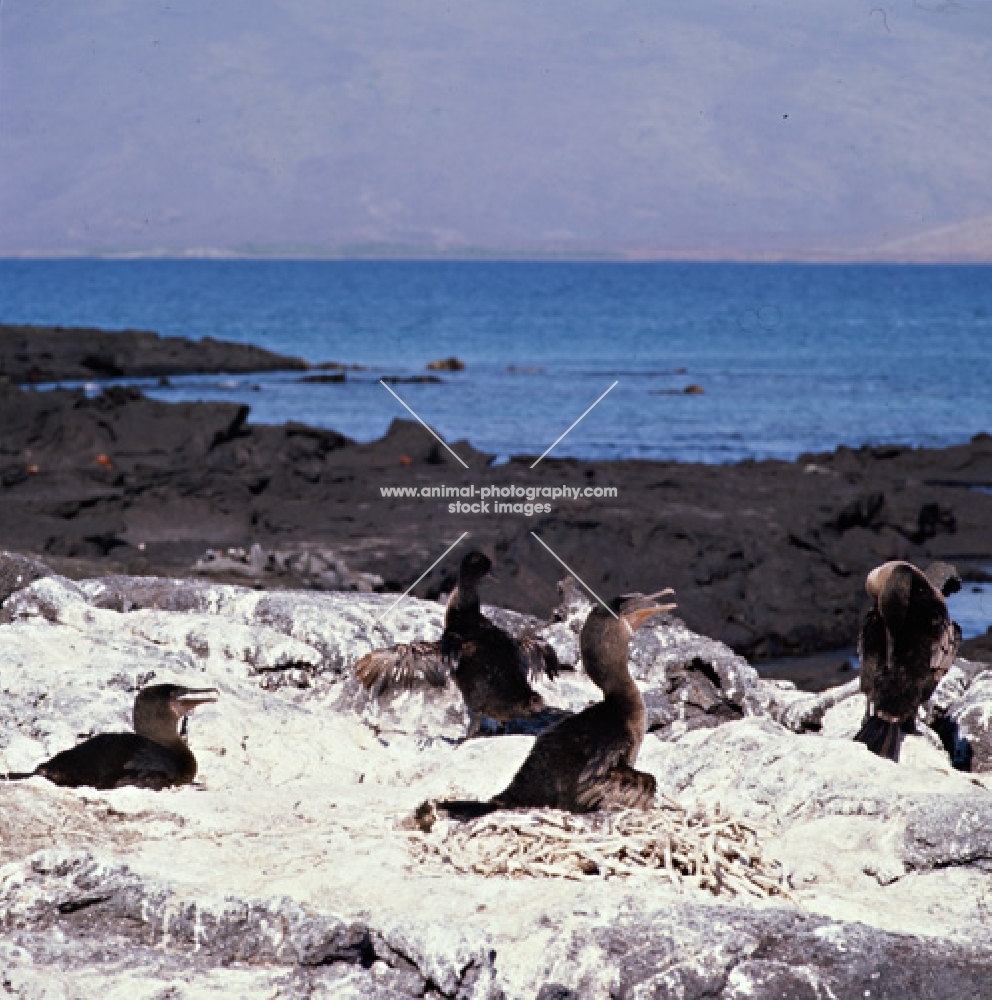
(334, 379)
(447, 365)
(337, 366)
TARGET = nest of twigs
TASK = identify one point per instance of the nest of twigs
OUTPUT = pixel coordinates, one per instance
(691, 848)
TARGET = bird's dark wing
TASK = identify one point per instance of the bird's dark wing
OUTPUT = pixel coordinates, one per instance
(111, 760)
(930, 606)
(462, 623)
(97, 762)
(944, 649)
(155, 766)
(595, 787)
(538, 657)
(627, 788)
(451, 643)
(407, 665)
(872, 651)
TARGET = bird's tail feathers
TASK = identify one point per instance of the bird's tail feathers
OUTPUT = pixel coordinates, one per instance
(881, 737)
(461, 810)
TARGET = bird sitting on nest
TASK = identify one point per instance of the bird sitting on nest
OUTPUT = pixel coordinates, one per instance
(586, 761)
(490, 668)
(154, 756)
(907, 643)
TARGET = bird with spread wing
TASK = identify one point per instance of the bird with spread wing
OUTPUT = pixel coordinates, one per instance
(491, 668)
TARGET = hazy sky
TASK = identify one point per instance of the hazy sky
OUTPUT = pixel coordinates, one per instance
(803, 128)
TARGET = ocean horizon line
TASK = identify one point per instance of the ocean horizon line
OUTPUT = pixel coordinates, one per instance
(484, 256)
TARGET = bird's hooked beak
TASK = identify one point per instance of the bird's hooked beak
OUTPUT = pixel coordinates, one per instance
(184, 703)
(635, 619)
(668, 591)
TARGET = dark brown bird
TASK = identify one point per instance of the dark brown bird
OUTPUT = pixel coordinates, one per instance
(907, 643)
(586, 762)
(490, 668)
(155, 755)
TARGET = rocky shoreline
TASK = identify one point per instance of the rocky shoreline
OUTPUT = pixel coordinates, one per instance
(56, 353)
(291, 866)
(769, 557)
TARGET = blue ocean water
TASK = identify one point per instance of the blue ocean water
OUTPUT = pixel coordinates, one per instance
(791, 358)
(971, 607)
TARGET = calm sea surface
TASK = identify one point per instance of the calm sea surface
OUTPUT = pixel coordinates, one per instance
(790, 358)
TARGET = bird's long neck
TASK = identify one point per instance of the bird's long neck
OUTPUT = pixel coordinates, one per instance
(174, 742)
(624, 693)
(465, 596)
(161, 731)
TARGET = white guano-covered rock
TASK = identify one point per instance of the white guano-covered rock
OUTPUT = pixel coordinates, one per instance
(287, 867)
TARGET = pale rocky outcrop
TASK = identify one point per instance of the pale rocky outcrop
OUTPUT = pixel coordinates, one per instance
(321, 567)
(961, 711)
(286, 868)
(17, 571)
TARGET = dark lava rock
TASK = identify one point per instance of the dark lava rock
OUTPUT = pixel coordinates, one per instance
(979, 648)
(400, 379)
(769, 557)
(335, 379)
(53, 353)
